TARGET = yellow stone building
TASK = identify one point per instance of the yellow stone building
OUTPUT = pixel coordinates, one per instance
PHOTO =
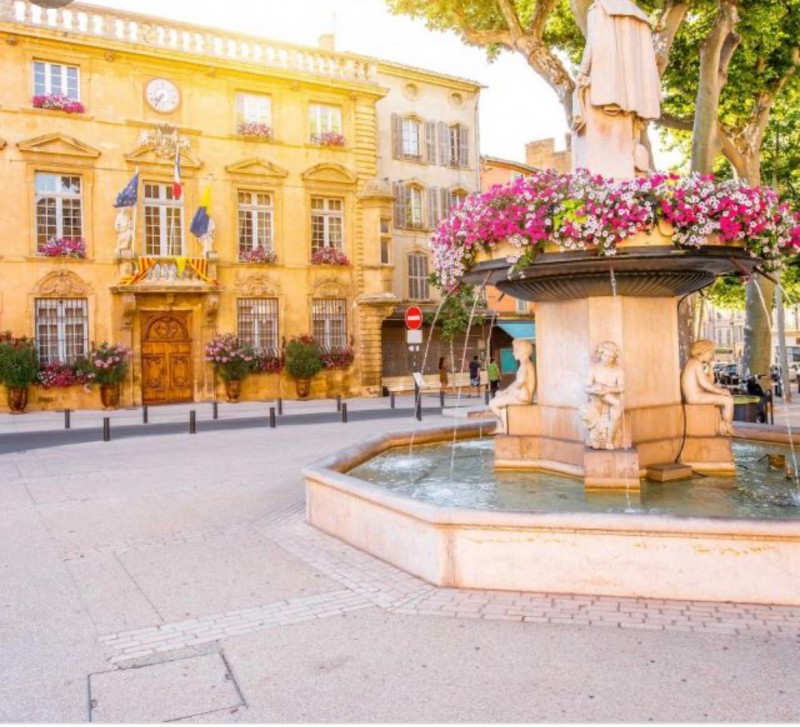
(285, 139)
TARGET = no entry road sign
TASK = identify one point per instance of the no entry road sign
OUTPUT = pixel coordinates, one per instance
(413, 318)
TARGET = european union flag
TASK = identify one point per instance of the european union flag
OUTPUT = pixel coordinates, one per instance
(130, 195)
(200, 221)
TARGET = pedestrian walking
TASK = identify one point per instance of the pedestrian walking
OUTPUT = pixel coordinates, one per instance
(493, 374)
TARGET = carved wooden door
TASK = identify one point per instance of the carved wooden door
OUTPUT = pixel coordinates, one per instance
(166, 358)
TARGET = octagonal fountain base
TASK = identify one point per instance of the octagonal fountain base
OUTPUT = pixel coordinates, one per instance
(627, 555)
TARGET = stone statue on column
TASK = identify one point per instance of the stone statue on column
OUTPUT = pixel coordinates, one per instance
(207, 240)
(697, 389)
(521, 390)
(123, 226)
(602, 414)
(617, 89)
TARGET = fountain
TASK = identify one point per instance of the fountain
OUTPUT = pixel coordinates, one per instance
(612, 407)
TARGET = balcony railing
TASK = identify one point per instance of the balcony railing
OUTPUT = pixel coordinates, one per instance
(144, 30)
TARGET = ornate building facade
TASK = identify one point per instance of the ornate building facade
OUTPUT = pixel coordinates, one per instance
(284, 145)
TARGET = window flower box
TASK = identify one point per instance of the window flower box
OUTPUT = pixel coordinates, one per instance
(329, 256)
(59, 375)
(254, 130)
(258, 255)
(58, 102)
(339, 358)
(328, 138)
(64, 247)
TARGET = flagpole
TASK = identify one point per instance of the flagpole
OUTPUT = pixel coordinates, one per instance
(135, 210)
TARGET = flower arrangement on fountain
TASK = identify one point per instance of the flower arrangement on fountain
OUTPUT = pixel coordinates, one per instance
(232, 359)
(59, 375)
(337, 358)
(329, 256)
(254, 130)
(582, 211)
(258, 255)
(58, 102)
(329, 138)
(73, 247)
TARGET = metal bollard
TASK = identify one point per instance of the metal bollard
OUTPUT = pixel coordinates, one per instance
(280, 406)
(66, 419)
(214, 410)
(418, 409)
(144, 414)
(486, 397)
(344, 413)
(338, 402)
(272, 422)
(391, 400)
(192, 422)
(106, 429)
(441, 398)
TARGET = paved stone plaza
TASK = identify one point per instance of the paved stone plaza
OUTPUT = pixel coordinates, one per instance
(173, 578)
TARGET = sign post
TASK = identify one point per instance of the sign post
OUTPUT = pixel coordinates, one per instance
(414, 320)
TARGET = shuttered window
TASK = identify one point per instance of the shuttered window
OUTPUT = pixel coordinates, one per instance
(418, 288)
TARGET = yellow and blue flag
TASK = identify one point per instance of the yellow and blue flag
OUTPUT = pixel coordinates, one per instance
(130, 195)
(201, 219)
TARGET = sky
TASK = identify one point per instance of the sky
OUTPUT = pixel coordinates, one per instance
(515, 107)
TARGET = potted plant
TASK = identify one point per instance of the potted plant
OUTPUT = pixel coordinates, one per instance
(303, 363)
(19, 368)
(109, 365)
(232, 360)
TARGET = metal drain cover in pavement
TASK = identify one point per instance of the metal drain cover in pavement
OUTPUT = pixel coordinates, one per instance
(163, 692)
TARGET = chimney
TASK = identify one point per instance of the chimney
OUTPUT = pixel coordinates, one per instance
(327, 42)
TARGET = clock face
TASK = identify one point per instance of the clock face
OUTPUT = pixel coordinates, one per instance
(163, 95)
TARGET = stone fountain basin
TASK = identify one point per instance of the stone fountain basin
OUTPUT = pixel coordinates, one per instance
(655, 556)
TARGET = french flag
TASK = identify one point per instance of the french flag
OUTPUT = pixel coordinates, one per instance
(177, 187)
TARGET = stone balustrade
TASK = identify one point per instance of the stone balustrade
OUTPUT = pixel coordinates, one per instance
(142, 30)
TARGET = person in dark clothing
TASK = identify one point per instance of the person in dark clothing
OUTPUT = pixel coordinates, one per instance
(475, 375)
(754, 389)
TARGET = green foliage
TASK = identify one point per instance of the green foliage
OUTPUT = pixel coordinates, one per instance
(303, 358)
(19, 364)
(727, 293)
(454, 316)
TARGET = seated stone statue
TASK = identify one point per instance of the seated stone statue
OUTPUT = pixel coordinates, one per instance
(697, 389)
(602, 414)
(522, 389)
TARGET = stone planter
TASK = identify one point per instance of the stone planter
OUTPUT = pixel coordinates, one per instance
(233, 390)
(17, 399)
(109, 396)
(303, 387)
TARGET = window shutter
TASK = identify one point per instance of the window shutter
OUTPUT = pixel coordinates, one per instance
(463, 145)
(397, 136)
(430, 142)
(444, 144)
(409, 217)
(445, 206)
(399, 204)
(433, 206)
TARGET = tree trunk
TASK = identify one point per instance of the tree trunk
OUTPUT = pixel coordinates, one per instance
(760, 293)
(685, 328)
(786, 382)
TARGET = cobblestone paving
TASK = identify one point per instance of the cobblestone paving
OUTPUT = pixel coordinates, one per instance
(368, 582)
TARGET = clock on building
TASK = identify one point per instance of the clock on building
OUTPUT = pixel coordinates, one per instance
(162, 95)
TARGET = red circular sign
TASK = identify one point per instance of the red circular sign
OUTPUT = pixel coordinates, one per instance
(414, 318)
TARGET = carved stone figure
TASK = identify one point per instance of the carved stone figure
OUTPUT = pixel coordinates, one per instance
(617, 89)
(207, 240)
(697, 389)
(123, 226)
(602, 415)
(522, 389)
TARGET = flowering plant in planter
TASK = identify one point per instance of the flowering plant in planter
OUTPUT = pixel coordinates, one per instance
(268, 362)
(232, 359)
(582, 211)
(254, 130)
(109, 363)
(328, 138)
(329, 256)
(338, 358)
(59, 375)
(258, 255)
(303, 358)
(19, 363)
(64, 247)
(58, 102)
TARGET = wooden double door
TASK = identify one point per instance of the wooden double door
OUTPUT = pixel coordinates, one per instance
(166, 357)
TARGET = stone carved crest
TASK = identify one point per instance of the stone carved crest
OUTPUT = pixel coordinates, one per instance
(63, 284)
(258, 285)
(164, 141)
(330, 288)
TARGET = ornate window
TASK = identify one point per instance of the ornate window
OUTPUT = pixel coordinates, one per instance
(327, 223)
(418, 288)
(255, 220)
(163, 221)
(329, 322)
(253, 107)
(62, 329)
(323, 119)
(55, 78)
(59, 207)
(258, 323)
